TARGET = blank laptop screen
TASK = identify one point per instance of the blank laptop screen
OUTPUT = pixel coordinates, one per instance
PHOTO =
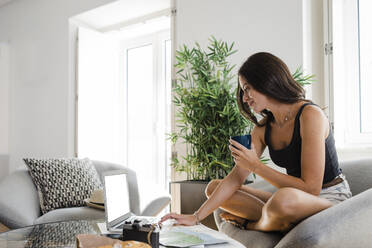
(117, 196)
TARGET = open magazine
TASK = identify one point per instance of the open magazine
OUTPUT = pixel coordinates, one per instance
(181, 236)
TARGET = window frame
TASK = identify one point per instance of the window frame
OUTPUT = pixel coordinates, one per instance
(157, 40)
(345, 114)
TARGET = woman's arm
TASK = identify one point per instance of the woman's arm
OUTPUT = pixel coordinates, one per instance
(314, 130)
(223, 191)
(228, 186)
(233, 181)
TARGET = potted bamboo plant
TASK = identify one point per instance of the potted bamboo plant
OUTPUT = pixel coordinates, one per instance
(207, 112)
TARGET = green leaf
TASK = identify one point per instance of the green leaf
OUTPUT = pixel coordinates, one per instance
(302, 79)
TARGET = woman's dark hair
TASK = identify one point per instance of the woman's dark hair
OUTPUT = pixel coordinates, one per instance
(270, 76)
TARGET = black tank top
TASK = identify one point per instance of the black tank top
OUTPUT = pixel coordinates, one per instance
(290, 156)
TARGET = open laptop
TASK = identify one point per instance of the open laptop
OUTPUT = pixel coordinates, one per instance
(117, 207)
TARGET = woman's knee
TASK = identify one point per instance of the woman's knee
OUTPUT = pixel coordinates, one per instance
(212, 185)
(283, 203)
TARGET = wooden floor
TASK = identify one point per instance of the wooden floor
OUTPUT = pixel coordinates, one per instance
(3, 228)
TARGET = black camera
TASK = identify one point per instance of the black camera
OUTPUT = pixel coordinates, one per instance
(141, 230)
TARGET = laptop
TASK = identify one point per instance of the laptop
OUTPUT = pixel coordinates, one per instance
(117, 207)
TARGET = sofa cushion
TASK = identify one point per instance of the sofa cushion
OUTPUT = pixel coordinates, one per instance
(63, 183)
(245, 237)
(76, 213)
(254, 239)
(347, 224)
(358, 173)
(19, 202)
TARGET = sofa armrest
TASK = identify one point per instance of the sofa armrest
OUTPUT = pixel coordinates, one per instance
(156, 206)
(19, 200)
(153, 201)
(347, 224)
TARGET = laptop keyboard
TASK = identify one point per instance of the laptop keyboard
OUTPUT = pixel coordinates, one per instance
(120, 226)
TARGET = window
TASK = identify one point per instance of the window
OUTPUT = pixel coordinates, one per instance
(147, 73)
(349, 51)
(365, 64)
(167, 111)
(124, 102)
(141, 109)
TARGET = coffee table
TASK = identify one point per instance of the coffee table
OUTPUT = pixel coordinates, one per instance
(62, 234)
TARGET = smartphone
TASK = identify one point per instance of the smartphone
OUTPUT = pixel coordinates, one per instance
(244, 140)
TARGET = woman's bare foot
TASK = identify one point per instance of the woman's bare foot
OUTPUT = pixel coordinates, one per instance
(235, 220)
(254, 225)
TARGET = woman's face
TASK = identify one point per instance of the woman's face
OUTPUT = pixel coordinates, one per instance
(256, 100)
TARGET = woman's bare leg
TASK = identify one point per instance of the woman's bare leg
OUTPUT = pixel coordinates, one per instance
(280, 212)
(245, 203)
(287, 207)
(261, 194)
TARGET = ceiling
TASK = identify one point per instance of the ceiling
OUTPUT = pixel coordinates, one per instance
(117, 11)
(121, 11)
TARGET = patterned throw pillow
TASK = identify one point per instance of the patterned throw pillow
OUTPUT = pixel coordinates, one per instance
(63, 183)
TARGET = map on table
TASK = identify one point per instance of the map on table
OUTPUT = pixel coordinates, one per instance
(181, 237)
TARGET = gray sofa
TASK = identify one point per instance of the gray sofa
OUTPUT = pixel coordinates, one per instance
(347, 224)
(19, 200)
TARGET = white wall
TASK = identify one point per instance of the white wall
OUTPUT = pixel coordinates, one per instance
(290, 29)
(4, 98)
(4, 108)
(41, 110)
(313, 49)
(265, 25)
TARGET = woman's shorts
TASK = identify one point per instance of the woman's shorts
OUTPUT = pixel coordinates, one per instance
(337, 193)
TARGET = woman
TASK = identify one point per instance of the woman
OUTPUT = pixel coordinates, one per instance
(299, 138)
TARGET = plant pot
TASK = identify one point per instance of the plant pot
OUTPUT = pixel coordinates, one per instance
(191, 195)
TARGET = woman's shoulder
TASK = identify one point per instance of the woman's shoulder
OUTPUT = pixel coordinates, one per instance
(312, 117)
(311, 111)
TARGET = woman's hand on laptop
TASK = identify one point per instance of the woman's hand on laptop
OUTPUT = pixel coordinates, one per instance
(180, 219)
